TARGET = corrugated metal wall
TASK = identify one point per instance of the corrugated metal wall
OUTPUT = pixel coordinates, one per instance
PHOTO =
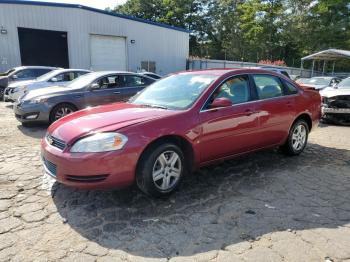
(168, 48)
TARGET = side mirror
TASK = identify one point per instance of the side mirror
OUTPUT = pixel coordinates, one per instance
(221, 102)
(54, 79)
(94, 86)
(14, 77)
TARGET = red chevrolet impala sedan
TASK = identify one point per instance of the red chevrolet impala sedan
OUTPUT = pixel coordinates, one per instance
(182, 122)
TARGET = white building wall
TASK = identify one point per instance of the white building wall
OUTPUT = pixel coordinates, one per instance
(168, 48)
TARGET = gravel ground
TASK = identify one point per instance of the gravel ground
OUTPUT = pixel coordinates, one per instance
(260, 207)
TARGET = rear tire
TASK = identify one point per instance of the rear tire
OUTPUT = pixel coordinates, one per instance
(297, 138)
(61, 110)
(160, 170)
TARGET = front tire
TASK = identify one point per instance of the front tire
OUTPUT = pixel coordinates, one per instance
(60, 111)
(297, 138)
(160, 170)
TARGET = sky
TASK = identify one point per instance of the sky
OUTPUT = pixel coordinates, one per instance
(100, 4)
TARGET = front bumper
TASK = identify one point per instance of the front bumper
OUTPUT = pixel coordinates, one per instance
(328, 110)
(10, 95)
(27, 113)
(114, 169)
(336, 115)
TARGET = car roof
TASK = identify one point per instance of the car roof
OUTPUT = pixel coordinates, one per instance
(70, 70)
(35, 67)
(224, 71)
(324, 77)
(102, 73)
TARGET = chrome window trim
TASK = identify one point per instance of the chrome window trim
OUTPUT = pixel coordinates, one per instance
(248, 102)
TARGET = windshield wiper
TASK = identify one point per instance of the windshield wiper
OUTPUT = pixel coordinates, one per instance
(154, 106)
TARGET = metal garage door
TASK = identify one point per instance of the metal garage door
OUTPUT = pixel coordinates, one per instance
(108, 52)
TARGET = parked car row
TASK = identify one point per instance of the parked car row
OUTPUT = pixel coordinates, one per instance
(59, 77)
(92, 89)
(45, 94)
(21, 73)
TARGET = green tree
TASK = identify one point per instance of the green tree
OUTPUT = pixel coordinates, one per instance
(252, 30)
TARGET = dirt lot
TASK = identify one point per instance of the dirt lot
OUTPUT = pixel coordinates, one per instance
(261, 207)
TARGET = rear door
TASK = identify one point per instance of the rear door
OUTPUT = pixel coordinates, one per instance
(132, 85)
(276, 109)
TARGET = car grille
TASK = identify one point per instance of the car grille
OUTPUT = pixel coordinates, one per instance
(8, 91)
(55, 142)
(51, 167)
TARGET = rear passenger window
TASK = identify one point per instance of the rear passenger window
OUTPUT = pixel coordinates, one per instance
(268, 86)
(40, 72)
(26, 73)
(291, 89)
(132, 81)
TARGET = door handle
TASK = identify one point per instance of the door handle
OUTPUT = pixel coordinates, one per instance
(116, 92)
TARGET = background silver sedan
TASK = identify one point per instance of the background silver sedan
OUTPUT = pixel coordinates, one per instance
(59, 77)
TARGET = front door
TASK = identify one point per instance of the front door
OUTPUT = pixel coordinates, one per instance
(229, 130)
(109, 91)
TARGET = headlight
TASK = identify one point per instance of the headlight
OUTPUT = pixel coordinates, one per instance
(101, 142)
(37, 100)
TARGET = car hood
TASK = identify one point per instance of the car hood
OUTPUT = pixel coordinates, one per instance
(46, 91)
(315, 86)
(103, 119)
(335, 92)
(21, 83)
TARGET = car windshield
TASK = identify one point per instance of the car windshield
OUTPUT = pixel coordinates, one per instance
(319, 81)
(82, 81)
(174, 92)
(344, 84)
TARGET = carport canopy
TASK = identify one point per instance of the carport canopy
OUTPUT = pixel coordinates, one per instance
(326, 55)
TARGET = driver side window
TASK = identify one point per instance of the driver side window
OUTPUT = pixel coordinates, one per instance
(112, 81)
(235, 89)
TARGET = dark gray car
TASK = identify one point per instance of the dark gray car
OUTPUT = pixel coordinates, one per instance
(21, 73)
(98, 88)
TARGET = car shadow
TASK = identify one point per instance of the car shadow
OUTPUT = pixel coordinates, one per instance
(37, 131)
(218, 206)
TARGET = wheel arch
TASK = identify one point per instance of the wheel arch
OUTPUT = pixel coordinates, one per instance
(178, 140)
(306, 117)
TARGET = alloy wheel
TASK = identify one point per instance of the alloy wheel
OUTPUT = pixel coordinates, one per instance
(299, 137)
(167, 170)
(62, 111)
